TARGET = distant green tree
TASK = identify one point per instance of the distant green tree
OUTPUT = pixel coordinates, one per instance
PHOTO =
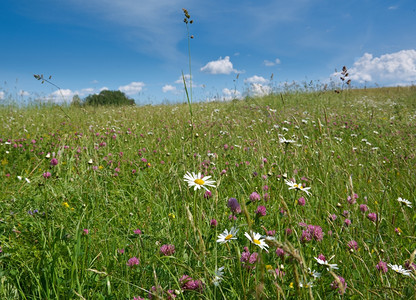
(76, 101)
(107, 97)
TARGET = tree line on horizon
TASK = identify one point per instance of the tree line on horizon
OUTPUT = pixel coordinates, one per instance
(105, 97)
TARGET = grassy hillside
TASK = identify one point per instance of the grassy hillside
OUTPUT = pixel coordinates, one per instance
(94, 204)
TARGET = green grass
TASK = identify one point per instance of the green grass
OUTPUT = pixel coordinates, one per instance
(358, 142)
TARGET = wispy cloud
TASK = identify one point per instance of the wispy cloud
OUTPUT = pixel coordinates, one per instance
(219, 66)
(24, 93)
(269, 63)
(153, 27)
(85, 92)
(168, 88)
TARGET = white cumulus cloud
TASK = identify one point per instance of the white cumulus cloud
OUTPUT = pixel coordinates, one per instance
(257, 89)
(180, 79)
(63, 95)
(1, 95)
(168, 88)
(66, 95)
(188, 82)
(390, 69)
(220, 66)
(230, 94)
(132, 88)
(256, 79)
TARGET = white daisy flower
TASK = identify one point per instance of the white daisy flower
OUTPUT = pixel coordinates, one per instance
(257, 239)
(197, 181)
(405, 202)
(218, 276)
(306, 285)
(270, 238)
(313, 273)
(400, 270)
(325, 263)
(227, 235)
(20, 178)
(295, 186)
(283, 140)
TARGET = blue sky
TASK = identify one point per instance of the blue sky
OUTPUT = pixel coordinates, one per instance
(140, 47)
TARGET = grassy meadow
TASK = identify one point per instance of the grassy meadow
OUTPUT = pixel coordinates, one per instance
(311, 196)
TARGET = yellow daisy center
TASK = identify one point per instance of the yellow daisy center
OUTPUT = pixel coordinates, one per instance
(228, 237)
(199, 181)
(257, 242)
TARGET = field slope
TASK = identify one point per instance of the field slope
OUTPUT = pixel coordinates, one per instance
(312, 195)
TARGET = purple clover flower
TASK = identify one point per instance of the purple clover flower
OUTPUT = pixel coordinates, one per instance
(335, 285)
(363, 208)
(261, 211)
(167, 249)
(234, 206)
(372, 217)
(189, 284)
(312, 232)
(382, 266)
(254, 197)
(213, 223)
(134, 261)
(54, 161)
(352, 245)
